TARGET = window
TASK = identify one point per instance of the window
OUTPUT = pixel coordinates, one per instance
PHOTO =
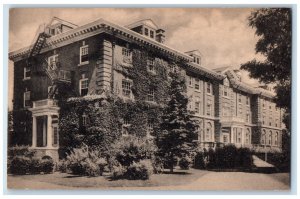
(125, 126)
(226, 138)
(198, 60)
(126, 52)
(225, 92)
(269, 142)
(208, 108)
(150, 64)
(27, 72)
(247, 137)
(149, 128)
(84, 54)
(248, 117)
(276, 123)
(197, 84)
(270, 107)
(197, 107)
(263, 103)
(52, 62)
(27, 99)
(208, 133)
(276, 139)
(146, 31)
(239, 136)
(208, 88)
(150, 96)
(270, 121)
(240, 110)
(55, 135)
(126, 88)
(191, 80)
(83, 86)
(263, 119)
(247, 100)
(263, 138)
(84, 119)
(239, 98)
(151, 33)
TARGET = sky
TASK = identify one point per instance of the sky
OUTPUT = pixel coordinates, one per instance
(222, 35)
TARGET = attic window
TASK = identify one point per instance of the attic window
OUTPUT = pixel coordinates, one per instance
(146, 31)
(151, 33)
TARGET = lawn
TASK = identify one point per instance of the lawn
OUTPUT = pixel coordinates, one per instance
(179, 177)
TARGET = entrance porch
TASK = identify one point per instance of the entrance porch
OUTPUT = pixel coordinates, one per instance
(45, 137)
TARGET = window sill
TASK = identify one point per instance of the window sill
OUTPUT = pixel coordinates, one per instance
(28, 78)
(84, 63)
(198, 91)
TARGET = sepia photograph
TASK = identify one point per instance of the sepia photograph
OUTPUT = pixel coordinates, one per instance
(168, 99)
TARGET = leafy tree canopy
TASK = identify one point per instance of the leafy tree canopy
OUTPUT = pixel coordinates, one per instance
(273, 26)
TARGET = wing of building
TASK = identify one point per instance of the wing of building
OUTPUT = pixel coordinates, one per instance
(94, 57)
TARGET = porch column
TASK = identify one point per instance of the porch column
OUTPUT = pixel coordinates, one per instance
(49, 131)
(33, 131)
(231, 135)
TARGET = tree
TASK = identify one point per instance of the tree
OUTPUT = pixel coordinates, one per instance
(177, 129)
(273, 26)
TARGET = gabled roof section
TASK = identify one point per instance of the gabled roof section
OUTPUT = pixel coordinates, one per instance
(56, 20)
(147, 22)
(194, 52)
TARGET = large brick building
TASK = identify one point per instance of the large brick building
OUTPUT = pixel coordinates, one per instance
(90, 58)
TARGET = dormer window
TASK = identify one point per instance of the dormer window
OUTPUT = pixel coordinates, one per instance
(151, 33)
(146, 31)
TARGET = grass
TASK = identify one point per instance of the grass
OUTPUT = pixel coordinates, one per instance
(179, 177)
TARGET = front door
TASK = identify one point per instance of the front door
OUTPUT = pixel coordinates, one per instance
(41, 129)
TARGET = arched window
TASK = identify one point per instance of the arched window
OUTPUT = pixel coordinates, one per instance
(248, 137)
(276, 139)
(208, 132)
(263, 138)
(269, 138)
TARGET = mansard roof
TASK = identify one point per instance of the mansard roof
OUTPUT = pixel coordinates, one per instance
(94, 28)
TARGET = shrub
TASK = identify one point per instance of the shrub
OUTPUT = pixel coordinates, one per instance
(131, 149)
(118, 171)
(199, 161)
(82, 161)
(245, 158)
(139, 171)
(20, 151)
(20, 165)
(46, 165)
(62, 166)
(229, 157)
(184, 163)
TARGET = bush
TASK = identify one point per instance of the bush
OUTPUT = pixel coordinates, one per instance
(20, 165)
(82, 161)
(139, 171)
(20, 151)
(61, 166)
(131, 149)
(118, 171)
(229, 157)
(199, 161)
(46, 165)
(184, 163)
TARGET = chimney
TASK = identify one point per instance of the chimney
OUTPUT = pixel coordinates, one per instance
(160, 36)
